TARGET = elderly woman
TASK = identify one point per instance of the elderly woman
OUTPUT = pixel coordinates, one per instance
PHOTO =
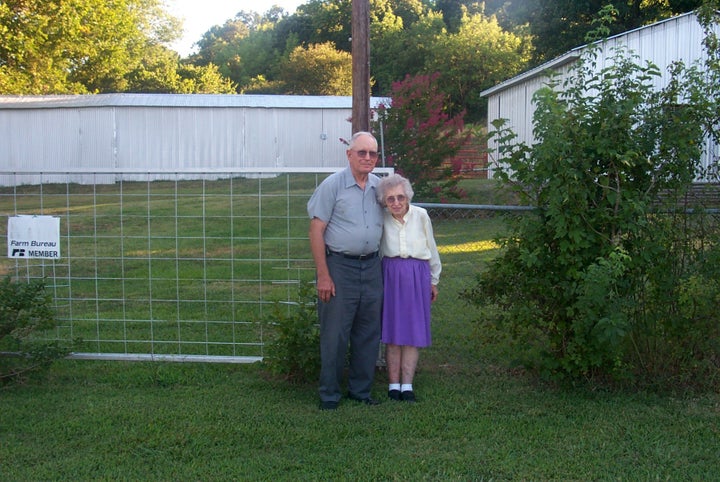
(411, 272)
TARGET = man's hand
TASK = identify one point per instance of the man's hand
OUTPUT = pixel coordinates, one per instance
(325, 288)
(325, 284)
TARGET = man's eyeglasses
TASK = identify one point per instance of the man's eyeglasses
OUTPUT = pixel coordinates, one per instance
(363, 153)
(399, 198)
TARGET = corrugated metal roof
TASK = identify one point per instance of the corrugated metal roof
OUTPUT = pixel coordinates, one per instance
(180, 100)
(558, 62)
(566, 58)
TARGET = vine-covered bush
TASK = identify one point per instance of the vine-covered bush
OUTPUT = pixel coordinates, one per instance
(611, 277)
(25, 312)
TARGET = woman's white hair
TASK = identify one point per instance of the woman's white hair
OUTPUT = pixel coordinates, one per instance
(392, 181)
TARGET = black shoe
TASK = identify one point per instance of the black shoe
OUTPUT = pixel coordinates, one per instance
(328, 405)
(394, 394)
(366, 401)
(408, 396)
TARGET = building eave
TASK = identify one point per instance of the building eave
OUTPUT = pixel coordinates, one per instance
(179, 100)
(566, 58)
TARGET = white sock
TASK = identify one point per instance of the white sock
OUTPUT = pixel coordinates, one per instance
(394, 386)
(406, 387)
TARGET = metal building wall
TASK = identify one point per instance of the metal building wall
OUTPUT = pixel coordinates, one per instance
(129, 132)
(515, 105)
(55, 140)
(662, 43)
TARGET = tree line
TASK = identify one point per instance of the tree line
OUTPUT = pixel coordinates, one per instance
(94, 46)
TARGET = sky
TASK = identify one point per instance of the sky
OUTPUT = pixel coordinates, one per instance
(200, 15)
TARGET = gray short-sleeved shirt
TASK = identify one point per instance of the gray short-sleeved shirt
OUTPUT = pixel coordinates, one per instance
(354, 217)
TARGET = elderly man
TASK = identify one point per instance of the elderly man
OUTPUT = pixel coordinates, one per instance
(345, 230)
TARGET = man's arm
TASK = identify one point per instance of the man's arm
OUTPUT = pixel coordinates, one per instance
(325, 284)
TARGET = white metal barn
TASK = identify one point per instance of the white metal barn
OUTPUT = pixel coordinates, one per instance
(166, 132)
(662, 43)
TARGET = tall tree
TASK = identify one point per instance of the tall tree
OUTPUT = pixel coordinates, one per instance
(396, 53)
(407, 38)
(561, 25)
(452, 13)
(244, 48)
(330, 20)
(203, 80)
(475, 58)
(409, 11)
(219, 38)
(317, 70)
(79, 46)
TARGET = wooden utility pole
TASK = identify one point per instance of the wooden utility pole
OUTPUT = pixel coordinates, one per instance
(360, 65)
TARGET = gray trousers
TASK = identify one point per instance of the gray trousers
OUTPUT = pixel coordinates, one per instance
(351, 317)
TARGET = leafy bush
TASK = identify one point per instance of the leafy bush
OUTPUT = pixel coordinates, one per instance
(676, 335)
(602, 280)
(25, 312)
(294, 349)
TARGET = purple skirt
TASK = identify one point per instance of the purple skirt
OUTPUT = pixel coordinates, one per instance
(406, 304)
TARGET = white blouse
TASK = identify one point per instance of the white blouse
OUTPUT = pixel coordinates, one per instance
(412, 239)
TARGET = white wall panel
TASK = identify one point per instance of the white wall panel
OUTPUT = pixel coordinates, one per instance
(171, 132)
(676, 39)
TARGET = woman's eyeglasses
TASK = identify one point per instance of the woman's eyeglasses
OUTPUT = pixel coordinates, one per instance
(363, 153)
(399, 198)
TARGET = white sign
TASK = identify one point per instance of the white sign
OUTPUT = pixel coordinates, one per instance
(34, 237)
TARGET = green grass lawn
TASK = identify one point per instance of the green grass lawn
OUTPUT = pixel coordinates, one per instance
(140, 421)
(476, 419)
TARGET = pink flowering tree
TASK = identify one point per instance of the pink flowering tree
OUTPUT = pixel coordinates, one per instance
(421, 137)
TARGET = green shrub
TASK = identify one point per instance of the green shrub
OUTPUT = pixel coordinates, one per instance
(604, 279)
(294, 349)
(675, 339)
(25, 312)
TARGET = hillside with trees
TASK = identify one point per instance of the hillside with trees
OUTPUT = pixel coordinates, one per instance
(92, 46)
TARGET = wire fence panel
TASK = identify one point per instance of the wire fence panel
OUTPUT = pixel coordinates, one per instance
(192, 265)
(168, 269)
